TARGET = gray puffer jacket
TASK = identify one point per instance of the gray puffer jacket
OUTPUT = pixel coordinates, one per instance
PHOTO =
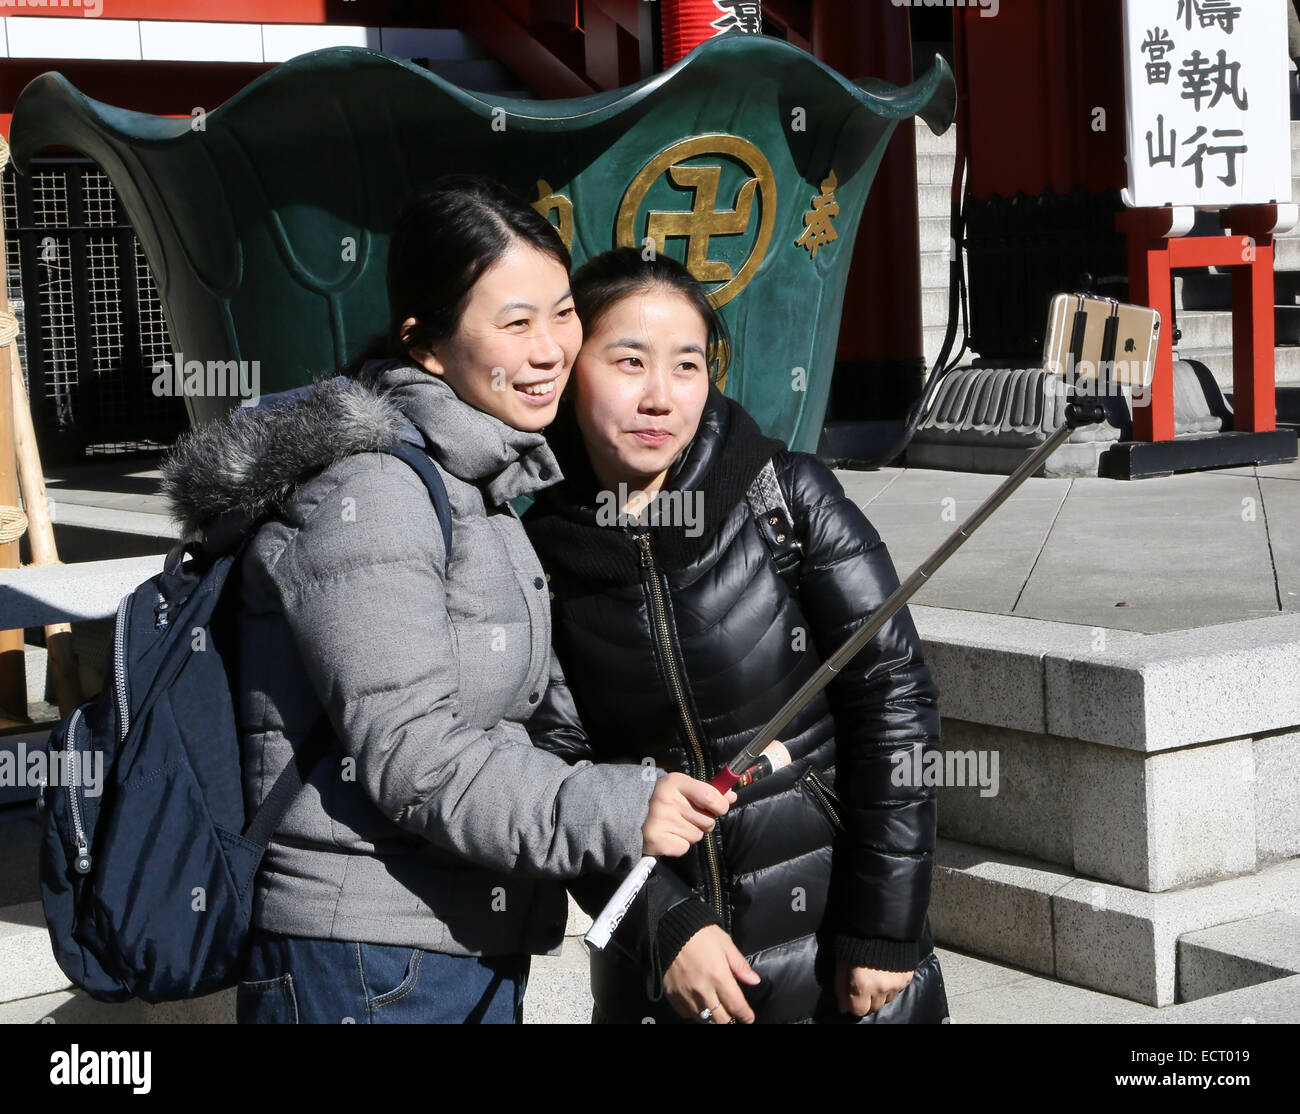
(433, 821)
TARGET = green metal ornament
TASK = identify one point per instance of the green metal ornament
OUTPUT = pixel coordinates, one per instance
(266, 221)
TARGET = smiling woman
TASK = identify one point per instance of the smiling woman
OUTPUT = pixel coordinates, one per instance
(419, 867)
(684, 624)
(495, 318)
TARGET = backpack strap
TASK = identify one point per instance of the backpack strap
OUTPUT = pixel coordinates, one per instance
(304, 762)
(428, 472)
(300, 767)
(775, 522)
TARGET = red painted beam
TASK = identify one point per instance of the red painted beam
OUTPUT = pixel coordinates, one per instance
(626, 13)
(366, 13)
(517, 48)
(792, 16)
(163, 88)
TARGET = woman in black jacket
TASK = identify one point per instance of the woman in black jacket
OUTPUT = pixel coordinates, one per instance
(700, 572)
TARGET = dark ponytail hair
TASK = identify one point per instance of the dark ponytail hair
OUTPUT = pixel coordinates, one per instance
(614, 275)
(442, 242)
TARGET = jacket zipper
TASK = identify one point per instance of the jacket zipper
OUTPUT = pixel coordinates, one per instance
(119, 666)
(825, 796)
(679, 695)
(82, 862)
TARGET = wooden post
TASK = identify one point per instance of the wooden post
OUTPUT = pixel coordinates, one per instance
(18, 448)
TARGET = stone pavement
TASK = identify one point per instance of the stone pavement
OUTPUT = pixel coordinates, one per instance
(1147, 556)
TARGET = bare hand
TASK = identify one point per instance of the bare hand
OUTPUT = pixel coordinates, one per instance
(681, 811)
(703, 977)
(860, 990)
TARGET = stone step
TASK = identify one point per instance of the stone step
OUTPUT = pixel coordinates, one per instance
(37, 596)
(934, 306)
(1286, 253)
(934, 201)
(927, 143)
(116, 520)
(935, 269)
(1286, 366)
(933, 341)
(936, 234)
(934, 170)
(1213, 328)
(1050, 920)
(1238, 954)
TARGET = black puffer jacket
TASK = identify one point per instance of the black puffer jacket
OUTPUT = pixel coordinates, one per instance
(681, 661)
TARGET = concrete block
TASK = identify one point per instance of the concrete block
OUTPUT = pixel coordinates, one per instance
(1270, 1003)
(1277, 817)
(1106, 939)
(1161, 691)
(1158, 821)
(994, 904)
(989, 668)
(1124, 941)
(1200, 814)
(34, 597)
(1028, 814)
(1238, 954)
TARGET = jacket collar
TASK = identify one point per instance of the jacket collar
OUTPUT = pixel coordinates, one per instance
(469, 443)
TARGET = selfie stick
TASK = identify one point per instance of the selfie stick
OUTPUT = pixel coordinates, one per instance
(1077, 413)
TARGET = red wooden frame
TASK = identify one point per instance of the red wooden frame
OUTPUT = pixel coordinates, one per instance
(1153, 257)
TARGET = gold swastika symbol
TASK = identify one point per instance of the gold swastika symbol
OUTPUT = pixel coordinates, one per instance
(704, 220)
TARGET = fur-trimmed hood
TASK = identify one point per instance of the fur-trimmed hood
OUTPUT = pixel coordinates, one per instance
(227, 474)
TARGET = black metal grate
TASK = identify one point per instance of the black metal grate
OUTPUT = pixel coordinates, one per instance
(94, 326)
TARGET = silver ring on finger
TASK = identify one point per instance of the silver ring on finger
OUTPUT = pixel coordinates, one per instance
(706, 1015)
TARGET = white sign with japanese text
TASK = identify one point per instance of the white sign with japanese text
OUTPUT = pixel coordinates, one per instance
(1209, 119)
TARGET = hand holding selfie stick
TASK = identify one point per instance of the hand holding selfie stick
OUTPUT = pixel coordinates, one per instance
(1080, 411)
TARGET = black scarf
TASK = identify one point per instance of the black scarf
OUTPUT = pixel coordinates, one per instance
(720, 463)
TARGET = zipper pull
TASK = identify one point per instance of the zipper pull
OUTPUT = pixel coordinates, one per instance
(643, 544)
(82, 862)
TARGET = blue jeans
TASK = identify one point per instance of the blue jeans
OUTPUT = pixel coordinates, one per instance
(295, 980)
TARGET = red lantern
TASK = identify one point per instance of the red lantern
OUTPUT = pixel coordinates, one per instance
(687, 23)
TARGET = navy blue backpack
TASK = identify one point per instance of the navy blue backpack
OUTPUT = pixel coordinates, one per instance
(147, 885)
